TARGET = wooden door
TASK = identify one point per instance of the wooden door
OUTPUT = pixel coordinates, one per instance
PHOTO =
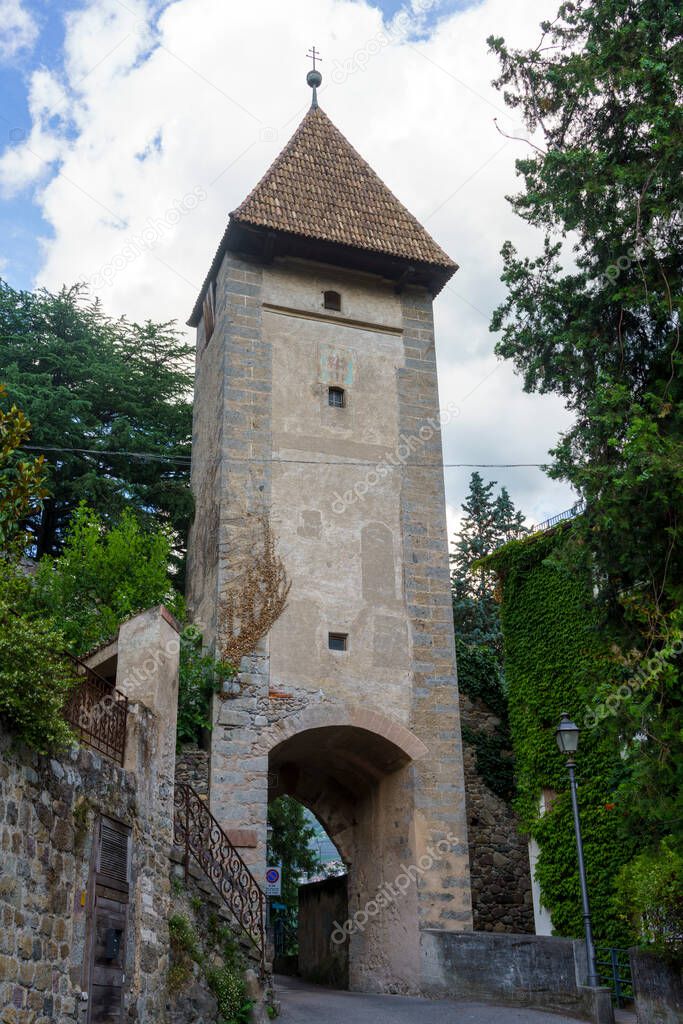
(108, 923)
(109, 951)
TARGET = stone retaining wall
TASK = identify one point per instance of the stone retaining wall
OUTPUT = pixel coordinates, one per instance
(48, 813)
(499, 855)
(537, 971)
(192, 768)
(658, 989)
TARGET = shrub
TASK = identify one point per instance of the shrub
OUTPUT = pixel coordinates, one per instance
(649, 894)
(35, 679)
(200, 677)
(103, 576)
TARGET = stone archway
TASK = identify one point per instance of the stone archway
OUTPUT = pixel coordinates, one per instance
(352, 768)
(330, 759)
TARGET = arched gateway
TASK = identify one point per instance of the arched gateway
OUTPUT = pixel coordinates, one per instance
(322, 417)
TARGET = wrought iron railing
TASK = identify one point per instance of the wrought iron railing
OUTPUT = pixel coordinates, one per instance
(98, 713)
(196, 829)
(569, 513)
(614, 970)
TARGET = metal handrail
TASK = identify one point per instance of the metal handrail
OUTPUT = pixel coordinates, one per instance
(570, 513)
(196, 829)
(622, 986)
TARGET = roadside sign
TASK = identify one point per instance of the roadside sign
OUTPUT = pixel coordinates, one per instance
(273, 886)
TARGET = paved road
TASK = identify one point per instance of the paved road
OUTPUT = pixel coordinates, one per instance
(312, 1004)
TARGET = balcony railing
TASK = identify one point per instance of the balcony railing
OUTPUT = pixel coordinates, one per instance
(569, 513)
(98, 713)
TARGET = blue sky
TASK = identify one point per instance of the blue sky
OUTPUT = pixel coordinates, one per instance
(21, 223)
(22, 226)
(211, 110)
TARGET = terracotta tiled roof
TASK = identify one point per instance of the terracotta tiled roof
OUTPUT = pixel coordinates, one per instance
(321, 188)
(319, 192)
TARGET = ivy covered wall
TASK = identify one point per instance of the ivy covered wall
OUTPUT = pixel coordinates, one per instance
(556, 654)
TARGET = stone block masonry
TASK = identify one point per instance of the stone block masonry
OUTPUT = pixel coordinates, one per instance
(48, 813)
(499, 854)
(85, 849)
(439, 784)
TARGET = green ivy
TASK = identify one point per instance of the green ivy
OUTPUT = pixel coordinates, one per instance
(556, 655)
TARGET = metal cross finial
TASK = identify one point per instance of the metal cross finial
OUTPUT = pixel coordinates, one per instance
(314, 55)
(314, 78)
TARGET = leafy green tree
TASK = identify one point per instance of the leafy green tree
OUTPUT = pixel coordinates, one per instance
(595, 318)
(289, 846)
(651, 898)
(102, 386)
(488, 522)
(102, 577)
(21, 479)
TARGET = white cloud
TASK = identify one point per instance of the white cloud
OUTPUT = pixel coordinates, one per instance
(18, 30)
(202, 96)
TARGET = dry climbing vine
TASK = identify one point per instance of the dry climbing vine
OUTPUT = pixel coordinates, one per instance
(255, 600)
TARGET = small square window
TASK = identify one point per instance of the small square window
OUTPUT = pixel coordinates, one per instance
(338, 641)
(332, 300)
(336, 397)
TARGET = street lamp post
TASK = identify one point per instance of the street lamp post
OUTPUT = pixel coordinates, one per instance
(567, 736)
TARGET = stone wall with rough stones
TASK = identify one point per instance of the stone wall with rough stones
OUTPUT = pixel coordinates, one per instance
(63, 887)
(192, 768)
(499, 855)
(48, 810)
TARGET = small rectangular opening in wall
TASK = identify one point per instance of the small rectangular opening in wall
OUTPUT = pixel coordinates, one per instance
(338, 641)
(336, 397)
(209, 312)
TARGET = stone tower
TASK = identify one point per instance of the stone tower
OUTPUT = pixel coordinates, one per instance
(316, 406)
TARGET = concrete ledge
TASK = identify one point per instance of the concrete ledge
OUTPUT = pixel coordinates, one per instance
(599, 1003)
(658, 988)
(535, 971)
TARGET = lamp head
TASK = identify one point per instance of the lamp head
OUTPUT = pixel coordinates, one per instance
(567, 735)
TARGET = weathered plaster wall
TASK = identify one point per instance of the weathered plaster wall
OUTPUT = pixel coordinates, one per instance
(345, 558)
(366, 551)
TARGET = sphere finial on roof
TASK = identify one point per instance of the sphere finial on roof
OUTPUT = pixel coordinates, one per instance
(314, 78)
